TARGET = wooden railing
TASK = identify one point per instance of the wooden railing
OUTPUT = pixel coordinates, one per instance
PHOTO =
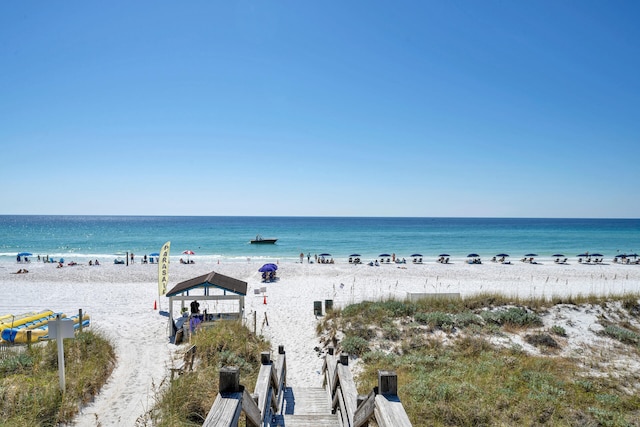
(259, 408)
(263, 406)
(355, 410)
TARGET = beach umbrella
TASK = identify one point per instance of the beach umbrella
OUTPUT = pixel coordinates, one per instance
(381, 255)
(583, 255)
(21, 254)
(267, 268)
(444, 255)
(414, 255)
(355, 255)
(502, 255)
(597, 255)
(155, 254)
(272, 265)
(187, 253)
(530, 255)
(633, 255)
(473, 256)
(324, 255)
(558, 256)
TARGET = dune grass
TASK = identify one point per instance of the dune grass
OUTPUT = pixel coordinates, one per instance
(187, 400)
(29, 383)
(449, 373)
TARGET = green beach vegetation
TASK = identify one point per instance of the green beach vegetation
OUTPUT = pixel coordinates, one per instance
(463, 362)
(29, 384)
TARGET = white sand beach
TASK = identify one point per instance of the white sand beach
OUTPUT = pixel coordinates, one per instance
(120, 300)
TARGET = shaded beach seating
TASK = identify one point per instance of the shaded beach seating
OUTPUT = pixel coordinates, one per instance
(350, 260)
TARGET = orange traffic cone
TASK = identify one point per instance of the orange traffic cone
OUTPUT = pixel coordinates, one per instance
(264, 300)
(155, 305)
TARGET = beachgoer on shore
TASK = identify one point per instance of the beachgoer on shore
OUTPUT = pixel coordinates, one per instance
(301, 257)
(131, 257)
(309, 257)
(195, 307)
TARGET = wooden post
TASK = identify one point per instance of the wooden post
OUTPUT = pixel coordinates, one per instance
(229, 379)
(255, 322)
(265, 358)
(388, 383)
(281, 349)
(80, 320)
(344, 359)
(29, 339)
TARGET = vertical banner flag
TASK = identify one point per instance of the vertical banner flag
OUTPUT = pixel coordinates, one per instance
(163, 269)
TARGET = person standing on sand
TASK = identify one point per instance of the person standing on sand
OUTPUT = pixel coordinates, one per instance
(309, 258)
(131, 257)
(301, 257)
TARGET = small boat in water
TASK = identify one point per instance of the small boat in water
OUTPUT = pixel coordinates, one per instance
(260, 240)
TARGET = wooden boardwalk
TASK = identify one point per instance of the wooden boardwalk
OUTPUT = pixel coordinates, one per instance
(304, 407)
(276, 404)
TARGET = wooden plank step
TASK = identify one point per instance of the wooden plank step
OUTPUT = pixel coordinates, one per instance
(306, 401)
(311, 420)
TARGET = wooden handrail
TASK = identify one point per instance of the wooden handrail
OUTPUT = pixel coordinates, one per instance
(382, 403)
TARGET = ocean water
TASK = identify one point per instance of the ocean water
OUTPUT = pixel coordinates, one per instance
(88, 237)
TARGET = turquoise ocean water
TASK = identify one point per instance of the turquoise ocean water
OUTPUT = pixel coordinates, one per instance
(87, 237)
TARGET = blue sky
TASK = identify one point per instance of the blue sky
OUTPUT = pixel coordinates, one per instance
(357, 108)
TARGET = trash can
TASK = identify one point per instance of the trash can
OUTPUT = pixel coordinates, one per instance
(317, 308)
(328, 305)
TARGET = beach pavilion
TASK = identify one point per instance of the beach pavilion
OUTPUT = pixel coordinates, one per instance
(226, 293)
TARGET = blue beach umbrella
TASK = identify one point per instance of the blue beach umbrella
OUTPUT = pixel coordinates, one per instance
(155, 254)
(25, 254)
(597, 255)
(558, 256)
(414, 255)
(267, 268)
(501, 255)
(473, 256)
(384, 255)
(444, 255)
(355, 255)
(583, 255)
(531, 255)
(324, 255)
